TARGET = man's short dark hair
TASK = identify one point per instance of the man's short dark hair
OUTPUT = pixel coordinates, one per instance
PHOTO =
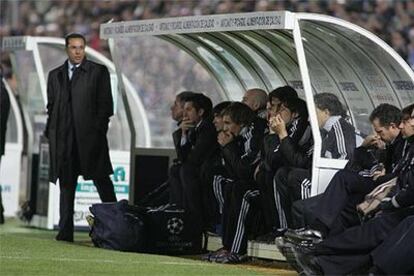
(330, 102)
(200, 101)
(282, 93)
(386, 114)
(218, 108)
(298, 106)
(183, 94)
(74, 35)
(407, 112)
(239, 113)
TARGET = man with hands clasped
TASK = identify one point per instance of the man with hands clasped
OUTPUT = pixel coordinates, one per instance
(348, 251)
(334, 211)
(294, 153)
(196, 142)
(241, 142)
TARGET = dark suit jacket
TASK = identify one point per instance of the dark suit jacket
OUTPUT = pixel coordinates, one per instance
(201, 145)
(92, 106)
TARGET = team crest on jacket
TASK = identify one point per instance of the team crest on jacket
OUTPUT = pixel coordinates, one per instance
(175, 225)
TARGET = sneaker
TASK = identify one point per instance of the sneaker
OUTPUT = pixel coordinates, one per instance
(91, 220)
(212, 256)
(231, 258)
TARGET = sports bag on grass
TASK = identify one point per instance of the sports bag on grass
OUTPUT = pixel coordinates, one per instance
(118, 226)
(170, 231)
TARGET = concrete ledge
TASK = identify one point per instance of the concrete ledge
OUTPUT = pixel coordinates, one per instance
(254, 249)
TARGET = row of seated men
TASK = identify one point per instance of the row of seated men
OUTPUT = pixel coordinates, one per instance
(335, 241)
(242, 166)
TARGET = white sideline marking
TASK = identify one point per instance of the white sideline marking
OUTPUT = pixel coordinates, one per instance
(104, 261)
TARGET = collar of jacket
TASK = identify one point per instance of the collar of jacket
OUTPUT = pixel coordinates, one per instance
(199, 124)
(245, 130)
(330, 122)
(397, 139)
(293, 126)
(410, 139)
(262, 113)
(83, 66)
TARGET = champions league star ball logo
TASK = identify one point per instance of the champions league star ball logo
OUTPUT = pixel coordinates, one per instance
(175, 226)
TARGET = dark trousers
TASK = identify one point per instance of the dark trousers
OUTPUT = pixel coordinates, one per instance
(213, 179)
(337, 205)
(264, 181)
(176, 187)
(395, 254)
(68, 180)
(349, 250)
(1, 204)
(185, 192)
(303, 210)
(191, 184)
(289, 187)
(239, 206)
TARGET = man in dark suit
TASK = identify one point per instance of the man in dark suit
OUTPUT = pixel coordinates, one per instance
(79, 106)
(194, 142)
(5, 110)
(334, 210)
(341, 254)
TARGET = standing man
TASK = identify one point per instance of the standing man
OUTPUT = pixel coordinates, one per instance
(79, 106)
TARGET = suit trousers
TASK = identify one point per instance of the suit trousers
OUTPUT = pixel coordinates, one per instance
(394, 255)
(349, 251)
(67, 182)
(345, 252)
(338, 203)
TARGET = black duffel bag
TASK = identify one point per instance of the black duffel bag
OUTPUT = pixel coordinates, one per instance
(170, 232)
(118, 226)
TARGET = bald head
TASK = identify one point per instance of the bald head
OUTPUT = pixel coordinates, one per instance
(255, 98)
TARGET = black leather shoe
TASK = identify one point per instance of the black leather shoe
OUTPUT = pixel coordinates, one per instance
(375, 271)
(63, 237)
(304, 236)
(287, 250)
(271, 236)
(309, 264)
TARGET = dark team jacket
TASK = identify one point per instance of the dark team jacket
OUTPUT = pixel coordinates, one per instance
(365, 160)
(200, 145)
(338, 138)
(298, 155)
(277, 154)
(242, 155)
(405, 172)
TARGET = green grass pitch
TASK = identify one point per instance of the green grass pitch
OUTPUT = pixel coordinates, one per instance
(28, 251)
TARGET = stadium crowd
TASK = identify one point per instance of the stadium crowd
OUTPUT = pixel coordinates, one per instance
(393, 21)
(243, 169)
